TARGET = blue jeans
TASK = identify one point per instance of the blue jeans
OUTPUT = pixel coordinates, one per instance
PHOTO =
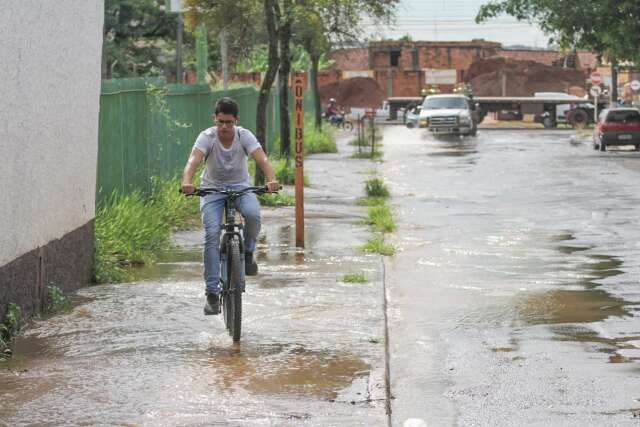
(211, 208)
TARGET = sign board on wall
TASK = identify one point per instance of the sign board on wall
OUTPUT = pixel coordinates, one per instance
(351, 74)
(440, 77)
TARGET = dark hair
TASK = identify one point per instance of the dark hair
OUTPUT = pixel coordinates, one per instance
(226, 106)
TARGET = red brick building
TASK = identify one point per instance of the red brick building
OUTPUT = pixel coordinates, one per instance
(403, 68)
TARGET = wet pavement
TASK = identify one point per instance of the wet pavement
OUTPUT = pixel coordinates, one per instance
(514, 300)
(142, 353)
(515, 297)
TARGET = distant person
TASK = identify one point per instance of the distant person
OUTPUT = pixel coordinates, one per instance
(332, 112)
(224, 148)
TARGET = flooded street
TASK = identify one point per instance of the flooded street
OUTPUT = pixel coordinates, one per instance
(513, 300)
(516, 294)
(312, 350)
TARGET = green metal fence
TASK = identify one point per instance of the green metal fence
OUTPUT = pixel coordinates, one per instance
(147, 128)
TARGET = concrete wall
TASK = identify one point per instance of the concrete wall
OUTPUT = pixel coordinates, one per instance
(49, 102)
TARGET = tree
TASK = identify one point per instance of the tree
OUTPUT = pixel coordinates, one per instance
(609, 27)
(139, 38)
(323, 24)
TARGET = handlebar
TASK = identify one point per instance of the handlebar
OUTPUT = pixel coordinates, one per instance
(204, 191)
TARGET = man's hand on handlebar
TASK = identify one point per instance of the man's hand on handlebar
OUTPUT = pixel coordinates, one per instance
(273, 186)
(188, 188)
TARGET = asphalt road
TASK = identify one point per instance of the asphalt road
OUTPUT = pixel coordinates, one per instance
(515, 297)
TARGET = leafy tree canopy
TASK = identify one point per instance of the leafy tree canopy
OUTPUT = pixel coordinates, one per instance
(139, 37)
(610, 27)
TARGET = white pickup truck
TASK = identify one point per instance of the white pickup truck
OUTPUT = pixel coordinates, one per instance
(449, 115)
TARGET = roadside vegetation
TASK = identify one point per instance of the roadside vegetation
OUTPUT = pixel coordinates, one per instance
(379, 216)
(369, 144)
(355, 278)
(315, 141)
(8, 329)
(57, 302)
(131, 230)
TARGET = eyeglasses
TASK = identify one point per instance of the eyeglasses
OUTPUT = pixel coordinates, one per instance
(226, 122)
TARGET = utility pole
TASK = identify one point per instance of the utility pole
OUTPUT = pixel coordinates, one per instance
(201, 53)
(224, 59)
(179, 49)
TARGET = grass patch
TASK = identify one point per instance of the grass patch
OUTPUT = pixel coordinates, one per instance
(277, 199)
(367, 155)
(9, 328)
(372, 201)
(57, 301)
(132, 229)
(285, 171)
(377, 245)
(178, 211)
(381, 218)
(129, 230)
(376, 187)
(319, 141)
(355, 278)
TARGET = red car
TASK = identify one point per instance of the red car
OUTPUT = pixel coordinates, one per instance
(617, 126)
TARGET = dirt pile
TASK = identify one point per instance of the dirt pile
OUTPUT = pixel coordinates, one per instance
(523, 78)
(355, 92)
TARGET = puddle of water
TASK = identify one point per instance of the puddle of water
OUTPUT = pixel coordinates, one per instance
(292, 370)
(577, 306)
(571, 306)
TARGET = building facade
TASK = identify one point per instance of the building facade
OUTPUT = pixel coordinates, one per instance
(49, 102)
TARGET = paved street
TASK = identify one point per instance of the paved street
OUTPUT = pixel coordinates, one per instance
(514, 300)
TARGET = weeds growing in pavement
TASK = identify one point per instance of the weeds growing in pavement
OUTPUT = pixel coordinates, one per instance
(355, 278)
(376, 187)
(372, 201)
(377, 245)
(381, 218)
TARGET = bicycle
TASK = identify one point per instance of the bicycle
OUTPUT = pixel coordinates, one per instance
(231, 257)
(341, 123)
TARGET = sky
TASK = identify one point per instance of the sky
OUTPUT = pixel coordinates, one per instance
(451, 20)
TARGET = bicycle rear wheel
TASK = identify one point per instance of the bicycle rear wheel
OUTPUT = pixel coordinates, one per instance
(235, 289)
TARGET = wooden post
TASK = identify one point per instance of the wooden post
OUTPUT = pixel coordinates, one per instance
(299, 91)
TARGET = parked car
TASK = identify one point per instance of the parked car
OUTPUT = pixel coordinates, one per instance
(449, 115)
(617, 126)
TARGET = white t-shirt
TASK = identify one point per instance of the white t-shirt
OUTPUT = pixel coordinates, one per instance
(226, 166)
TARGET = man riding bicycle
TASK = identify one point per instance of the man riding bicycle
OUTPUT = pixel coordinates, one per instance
(225, 148)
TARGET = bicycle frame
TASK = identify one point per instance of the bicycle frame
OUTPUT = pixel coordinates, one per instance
(230, 228)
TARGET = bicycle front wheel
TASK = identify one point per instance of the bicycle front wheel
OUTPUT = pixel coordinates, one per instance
(236, 278)
(348, 126)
